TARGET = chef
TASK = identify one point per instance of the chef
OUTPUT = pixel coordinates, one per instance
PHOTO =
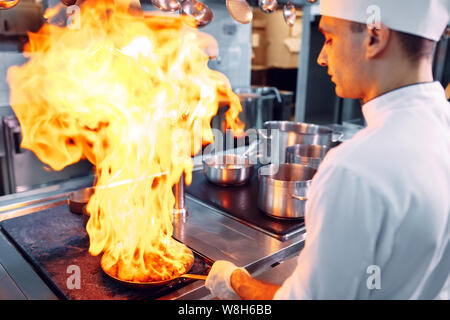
(378, 214)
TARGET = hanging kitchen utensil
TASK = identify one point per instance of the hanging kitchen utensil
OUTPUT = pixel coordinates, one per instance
(289, 14)
(198, 10)
(268, 6)
(8, 4)
(240, 11)
(167, 5)
(68, 2)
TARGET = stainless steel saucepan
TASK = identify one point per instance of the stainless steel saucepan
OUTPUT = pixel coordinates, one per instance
(283, 134)
(228, 170)
(282, 189)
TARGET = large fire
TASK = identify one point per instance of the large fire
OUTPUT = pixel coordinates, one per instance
(129, 94)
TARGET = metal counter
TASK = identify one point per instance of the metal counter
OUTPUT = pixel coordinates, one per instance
(206, 230)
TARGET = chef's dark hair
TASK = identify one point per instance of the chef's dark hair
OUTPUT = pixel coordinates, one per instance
(414, 46)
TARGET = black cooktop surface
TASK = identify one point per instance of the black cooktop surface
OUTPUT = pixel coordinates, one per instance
(55, 242)
(241, 203)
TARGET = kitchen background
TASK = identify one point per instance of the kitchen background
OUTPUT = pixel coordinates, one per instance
(264, 54)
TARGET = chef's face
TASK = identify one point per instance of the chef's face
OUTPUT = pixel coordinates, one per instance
(343, 54)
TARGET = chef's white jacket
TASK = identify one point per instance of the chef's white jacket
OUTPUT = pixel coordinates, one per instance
(378, 214)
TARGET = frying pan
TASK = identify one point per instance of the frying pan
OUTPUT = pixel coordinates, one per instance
(155, 284)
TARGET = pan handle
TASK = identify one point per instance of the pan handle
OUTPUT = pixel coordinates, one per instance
(249, 153)
(340, 136)
(250, 148)
(194, 276)
(261, 133)
(296, 197)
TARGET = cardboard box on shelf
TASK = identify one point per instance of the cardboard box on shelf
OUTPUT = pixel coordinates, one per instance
(259, 46)
(281, 42)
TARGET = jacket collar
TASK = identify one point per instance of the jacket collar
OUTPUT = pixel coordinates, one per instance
(376, 110)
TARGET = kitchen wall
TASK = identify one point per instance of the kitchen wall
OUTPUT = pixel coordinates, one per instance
(235, 51)
(8, 57)
(14, 23)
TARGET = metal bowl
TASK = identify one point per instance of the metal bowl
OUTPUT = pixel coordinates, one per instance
(78, 199)
(228, 170)
(307, 154)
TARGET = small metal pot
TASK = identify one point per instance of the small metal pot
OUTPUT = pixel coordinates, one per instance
(307, 154)
(78, 199)
(282, 189)
(228, 170)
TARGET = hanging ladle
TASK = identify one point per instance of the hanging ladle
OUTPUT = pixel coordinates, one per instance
(69, 2)
(289, 14)
(268, 6)
(240, 11)
(8, 4)
(167, 5)
(197, 10)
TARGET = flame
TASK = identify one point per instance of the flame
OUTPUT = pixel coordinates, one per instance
(129, 94)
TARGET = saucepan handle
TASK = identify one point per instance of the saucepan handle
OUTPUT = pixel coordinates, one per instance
(277, 94)
(250, 149)
(296, 197)
(194, 276)
(249, 152)
(261, 133)
(341, 135)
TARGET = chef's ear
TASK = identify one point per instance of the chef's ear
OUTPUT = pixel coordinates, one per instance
(378, 36)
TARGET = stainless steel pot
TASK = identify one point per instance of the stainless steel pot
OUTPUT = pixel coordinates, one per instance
(77, 200)
(307, 154)
(283, 134)
(228, 170)
(259, 104)
(282, 189)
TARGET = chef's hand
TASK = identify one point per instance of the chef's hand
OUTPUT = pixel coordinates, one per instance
(218, 280)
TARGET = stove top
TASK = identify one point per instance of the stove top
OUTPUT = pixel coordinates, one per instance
(56, 244)
(241, 204)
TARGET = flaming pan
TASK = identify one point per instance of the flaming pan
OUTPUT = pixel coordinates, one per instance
(160, 283)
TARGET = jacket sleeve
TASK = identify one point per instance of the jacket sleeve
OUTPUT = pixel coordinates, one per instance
(343, 219)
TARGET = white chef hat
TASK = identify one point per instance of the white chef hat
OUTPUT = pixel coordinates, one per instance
(424, 18)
